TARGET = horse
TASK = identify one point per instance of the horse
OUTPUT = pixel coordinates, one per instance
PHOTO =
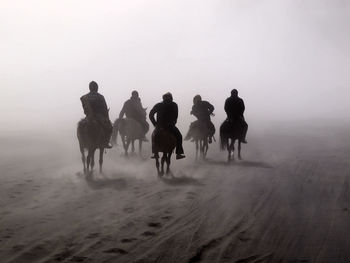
(200, 136)
(163, 141)
(91, 137)
(130, 130)
(230, 131)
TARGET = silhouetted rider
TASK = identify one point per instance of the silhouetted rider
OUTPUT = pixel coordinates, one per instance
(202, 110)
(234, 108)
(167, 113)
(133, 109)
(95, 109)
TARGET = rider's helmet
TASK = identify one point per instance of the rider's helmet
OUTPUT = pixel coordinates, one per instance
(93, 86)
(234, 93)
(197, 99)
(134, 94)
(167, 97)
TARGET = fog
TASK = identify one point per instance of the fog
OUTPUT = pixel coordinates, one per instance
(289, 60)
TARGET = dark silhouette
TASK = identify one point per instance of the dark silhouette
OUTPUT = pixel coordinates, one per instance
(96, 111)
(91, 137)
(234, 108)
(200, 135)
(130, 130)
(230, 131)
(167, 113)
(202, 110)
(133, 109)
(163, 141)
(202, 130)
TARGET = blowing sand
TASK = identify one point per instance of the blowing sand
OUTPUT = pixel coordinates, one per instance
(287, 201)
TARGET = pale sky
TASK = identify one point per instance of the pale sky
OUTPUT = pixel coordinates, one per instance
(289, 59)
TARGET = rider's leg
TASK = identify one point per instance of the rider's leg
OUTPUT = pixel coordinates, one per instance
(179, 149)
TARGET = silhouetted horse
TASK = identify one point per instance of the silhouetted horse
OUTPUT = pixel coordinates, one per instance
(130, 130)
(91, 137)
(200, 134)
(230, 131)
(163, 142)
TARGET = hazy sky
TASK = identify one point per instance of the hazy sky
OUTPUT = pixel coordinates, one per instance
(289, 59)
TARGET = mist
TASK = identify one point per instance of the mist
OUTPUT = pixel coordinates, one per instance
(289, 60)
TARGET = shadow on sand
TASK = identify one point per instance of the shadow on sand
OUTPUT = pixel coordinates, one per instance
(100, 181)
(179, 180)
(238, 163)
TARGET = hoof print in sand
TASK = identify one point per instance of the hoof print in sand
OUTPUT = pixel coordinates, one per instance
(116, 250)
(148, 233)
(128, 240)
(155, 224)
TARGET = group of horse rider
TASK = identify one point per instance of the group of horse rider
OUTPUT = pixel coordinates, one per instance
(97, 112)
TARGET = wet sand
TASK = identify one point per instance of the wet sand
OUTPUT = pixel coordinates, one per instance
(287, 201)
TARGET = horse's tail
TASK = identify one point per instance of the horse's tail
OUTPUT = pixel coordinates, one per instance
(223, 138)
(81, 134)
(115, 132)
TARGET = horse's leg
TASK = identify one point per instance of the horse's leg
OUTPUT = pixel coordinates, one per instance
(124, 144)
(239, 150)
(140, 147)
(101, 159)
(162, 163)
(88, 160)
(133, 146)
(229, 148)
(197, 147)
(127, 147)
(83, 159)
(206, 146)
(157, 165)
(168, 161)
(201, 148)
(92, 159)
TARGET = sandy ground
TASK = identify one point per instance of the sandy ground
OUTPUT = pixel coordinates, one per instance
(287, 201)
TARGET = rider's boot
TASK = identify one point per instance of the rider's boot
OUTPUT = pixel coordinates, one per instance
(244, 140)
(210, 139)
(180, 156)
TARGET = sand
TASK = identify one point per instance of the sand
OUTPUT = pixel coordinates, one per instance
(287, 201)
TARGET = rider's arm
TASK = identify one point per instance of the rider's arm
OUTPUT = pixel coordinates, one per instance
(105, 109)
(122, 112)
(151, 115)
(176, 113)
(210, 108)
(226, 106)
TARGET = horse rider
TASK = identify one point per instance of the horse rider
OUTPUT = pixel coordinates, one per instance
(167, 113)
(96, 111)
(133, 109)
(234, 108)
(202, 110)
